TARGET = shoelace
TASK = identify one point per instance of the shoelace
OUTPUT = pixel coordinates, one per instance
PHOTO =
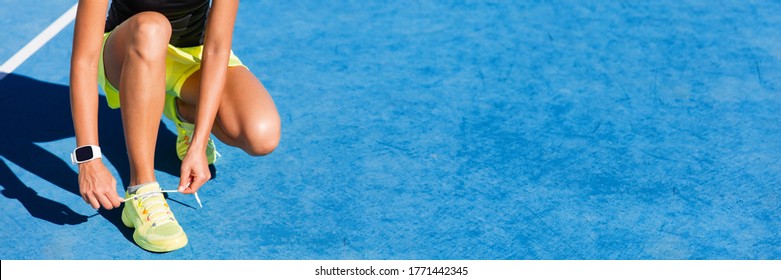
(197, 199)
(159, 215)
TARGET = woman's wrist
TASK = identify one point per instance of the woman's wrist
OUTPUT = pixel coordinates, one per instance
(198, 145)
(200, 138)
(90, 164)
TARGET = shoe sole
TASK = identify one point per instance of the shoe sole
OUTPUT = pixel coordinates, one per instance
(171, 245)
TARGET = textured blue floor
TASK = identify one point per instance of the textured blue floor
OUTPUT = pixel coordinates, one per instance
(444, 130)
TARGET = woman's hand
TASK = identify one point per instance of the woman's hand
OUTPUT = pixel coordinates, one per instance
(194, 171)
(97, 186)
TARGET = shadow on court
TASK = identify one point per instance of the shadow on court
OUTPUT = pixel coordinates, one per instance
(34, 111)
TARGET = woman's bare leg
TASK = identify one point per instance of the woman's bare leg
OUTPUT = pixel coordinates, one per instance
(134, 59)
(246, 118)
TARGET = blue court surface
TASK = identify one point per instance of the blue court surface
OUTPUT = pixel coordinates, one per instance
(441, 130)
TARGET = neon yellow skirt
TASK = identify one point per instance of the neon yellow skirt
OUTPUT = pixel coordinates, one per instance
(180, 63)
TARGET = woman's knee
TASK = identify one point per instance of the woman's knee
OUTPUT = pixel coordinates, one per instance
(151, 32)
(262, 137)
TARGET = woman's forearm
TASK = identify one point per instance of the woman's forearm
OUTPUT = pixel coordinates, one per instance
(84, 106)
(87, 42)
(216, 53)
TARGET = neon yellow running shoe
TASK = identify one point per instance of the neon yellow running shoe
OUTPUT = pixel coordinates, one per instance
(184, 132)
(156, 228)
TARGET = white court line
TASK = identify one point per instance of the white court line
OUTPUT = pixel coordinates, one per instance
(33, 46)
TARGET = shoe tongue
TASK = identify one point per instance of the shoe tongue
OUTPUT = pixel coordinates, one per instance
(154, 200)
(151, 187)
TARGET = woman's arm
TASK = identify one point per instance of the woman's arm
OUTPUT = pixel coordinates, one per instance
(214, 66)
(96, 184)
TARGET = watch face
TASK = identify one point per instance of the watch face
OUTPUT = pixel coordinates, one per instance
(84, 153)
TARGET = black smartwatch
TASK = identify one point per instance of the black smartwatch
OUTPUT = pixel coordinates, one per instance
(85, 153)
